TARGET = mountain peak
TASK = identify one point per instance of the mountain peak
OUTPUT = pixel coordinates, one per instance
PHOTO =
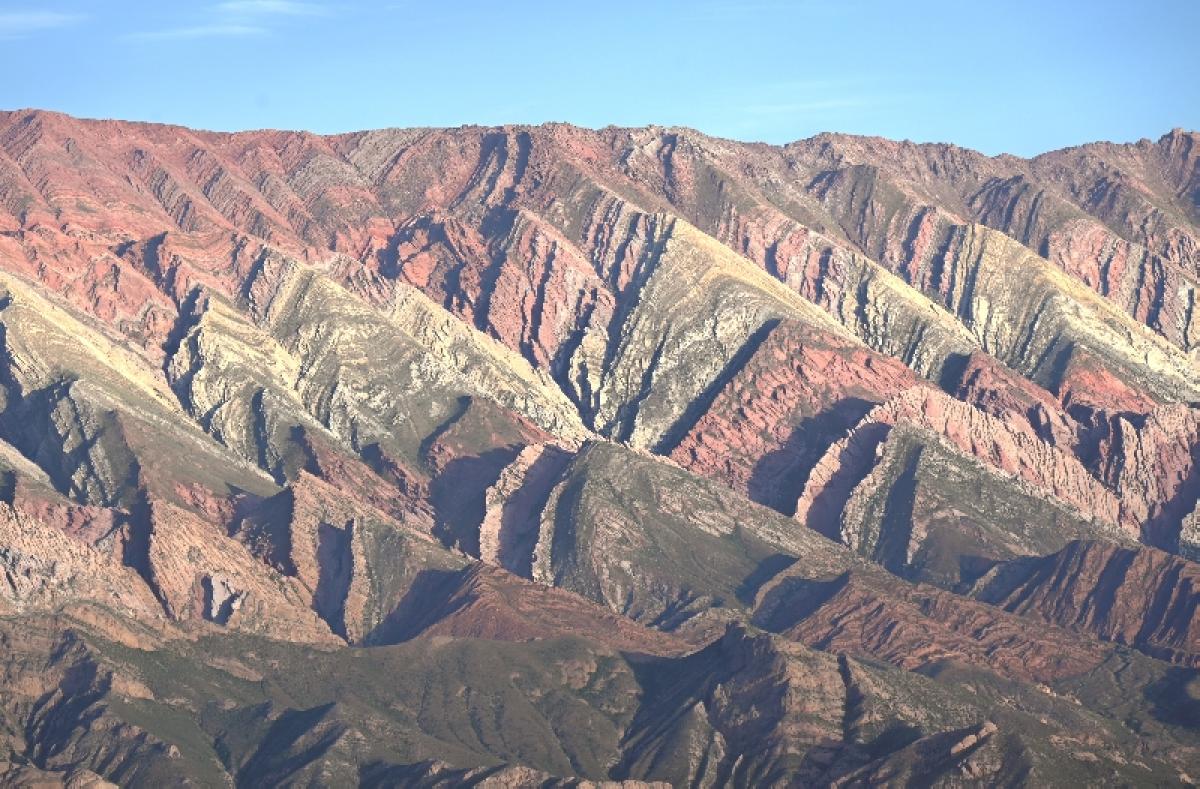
(545, 454)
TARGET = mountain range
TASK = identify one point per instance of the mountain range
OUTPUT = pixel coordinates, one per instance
(549, 456)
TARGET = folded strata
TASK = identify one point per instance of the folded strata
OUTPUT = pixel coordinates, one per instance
(548, 456)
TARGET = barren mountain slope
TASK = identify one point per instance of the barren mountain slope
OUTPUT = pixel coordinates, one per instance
(545, 456)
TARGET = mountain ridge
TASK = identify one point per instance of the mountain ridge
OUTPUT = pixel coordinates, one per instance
(670, 458)
(823, 135)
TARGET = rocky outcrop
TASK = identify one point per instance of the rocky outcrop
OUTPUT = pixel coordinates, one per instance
(25, 775)
(73, 710)
(752, 708)
(200, 574)
(1137, 596)
(662, 546)
(919, 628)
(354, 566)
(699, 313)
(798, 392)
(1103, 213)
(238, 383)
(513, 507)
(1153, 289)
(505, 405)
(1030, 315)
(430, 358)
(523, 283)
(1010, 450)
(995, 389)
(876, 305)
(1139, 190)
(747, 709)
(44, 569)
(1151, 463)
(91, 414)
(438, 774)
(927, 511)
(483, 602)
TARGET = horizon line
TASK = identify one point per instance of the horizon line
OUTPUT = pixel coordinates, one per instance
(584, 127)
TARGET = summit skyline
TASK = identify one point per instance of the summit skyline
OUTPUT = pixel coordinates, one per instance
(1022, 79)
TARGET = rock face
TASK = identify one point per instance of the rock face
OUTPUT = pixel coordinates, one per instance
(1142, 597)
(355, 565)
(918, 629)
(482, 602)
(44, 568)
(558, 457)
(976, 434)
(1152, 463)
(928, 511)
(799, 391)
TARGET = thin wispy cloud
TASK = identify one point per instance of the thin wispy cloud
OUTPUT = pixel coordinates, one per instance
(270, 8)
(751, 10)
(794, 98)
(797, 107)
(235, 19)
(198, 31)
(790, 109)
(17, 24)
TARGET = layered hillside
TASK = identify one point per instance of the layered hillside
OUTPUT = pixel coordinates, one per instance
(534, 456)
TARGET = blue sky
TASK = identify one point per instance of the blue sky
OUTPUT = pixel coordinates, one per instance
(1017, 76)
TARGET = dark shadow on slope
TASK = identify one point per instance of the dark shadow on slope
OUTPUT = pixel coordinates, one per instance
(265, 525)
(671, 689)
(1175, 699)
(8, 486)
(334, 567)
(424, 604)
(188, 316)
(497, 224)
(795, 600)
(220, 603)
(628, 299)
(1045, 571)
(895, 530)
(954, 368)
(135, 546)
(56, 717)
(899, 734)
(1162, 530)
(458, 496)
(971, 568)
(461, 407)
(1053, 371)
(767, 569)
(626, 418)
(27, 422)
(1161, 607)
(779, 476)
(700, 405)
(521, 517)
(855, 462)
(281, 754)
(578, 390)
